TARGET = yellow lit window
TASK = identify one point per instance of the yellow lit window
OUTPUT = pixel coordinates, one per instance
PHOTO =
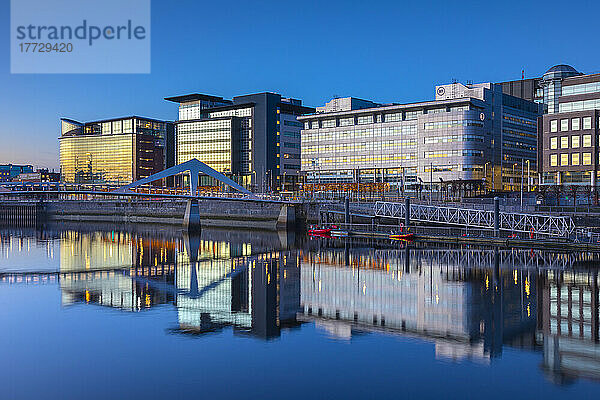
(587, 158)
(587, 140)
(553, 160)
(564, 142)
(564, 159)
(575, 159)
(553, 143)
(575, 142)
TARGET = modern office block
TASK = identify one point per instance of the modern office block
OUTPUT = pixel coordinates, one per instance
(468, 134)
(113, 151)
(254, 139)
(568, 138)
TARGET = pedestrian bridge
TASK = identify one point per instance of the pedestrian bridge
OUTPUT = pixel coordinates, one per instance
(476, 218)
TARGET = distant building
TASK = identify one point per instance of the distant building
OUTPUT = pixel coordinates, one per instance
(10, 171)
(468, 134)
(254, 139)
(114, 151)
(39, 176)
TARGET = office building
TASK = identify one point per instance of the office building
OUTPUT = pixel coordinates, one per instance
(114, 151)
(568, 138)
(468, 135)
(545, 89)
(10, 171)
(254, 139)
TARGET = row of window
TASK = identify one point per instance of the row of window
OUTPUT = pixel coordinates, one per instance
(582, 88)
(453, 153)
(358, 133)
(451, 124)
(575, 142)
(519, 120)
(575, 124)
(313, 163)
(361, 146)
(370, 119)
(582, 105)
(572, 159)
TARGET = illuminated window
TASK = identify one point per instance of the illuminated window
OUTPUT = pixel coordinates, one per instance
(587, 158)
(575, 142)
(553, 143)
(575, 159)
(564, 142)
(553, 160)
(587, 140)
(564, 159)
(587, 122)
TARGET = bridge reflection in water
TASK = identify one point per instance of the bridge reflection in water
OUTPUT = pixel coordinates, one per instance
(470, 303)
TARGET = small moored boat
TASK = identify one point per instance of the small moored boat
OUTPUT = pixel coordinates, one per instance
(406, 236)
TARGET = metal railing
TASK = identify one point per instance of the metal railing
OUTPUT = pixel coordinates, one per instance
(476, 218)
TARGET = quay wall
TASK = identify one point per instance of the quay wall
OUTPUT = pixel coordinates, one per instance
(227, 213)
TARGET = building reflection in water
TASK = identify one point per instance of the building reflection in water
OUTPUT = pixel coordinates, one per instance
(213, 284)
(466, 312)
(569, 322)
(470, 303)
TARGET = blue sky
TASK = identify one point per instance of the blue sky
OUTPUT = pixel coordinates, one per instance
(387, 51)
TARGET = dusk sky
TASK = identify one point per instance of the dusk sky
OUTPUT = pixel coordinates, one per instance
(386, 51)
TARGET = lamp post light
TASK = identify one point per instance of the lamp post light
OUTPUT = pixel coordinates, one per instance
(522, 168)
(485, 176)
(513, 177)
(528, 176)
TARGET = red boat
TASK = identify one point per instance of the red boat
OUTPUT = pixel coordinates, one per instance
(324, 231)
(407, 236)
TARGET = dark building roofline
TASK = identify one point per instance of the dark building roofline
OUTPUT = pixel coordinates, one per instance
(296, 108)
(230, 107)
(194, 97)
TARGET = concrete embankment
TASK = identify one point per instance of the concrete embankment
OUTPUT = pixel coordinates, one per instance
(229, 213)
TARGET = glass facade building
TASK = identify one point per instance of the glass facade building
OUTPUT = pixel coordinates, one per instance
(469, 133)
(254, 139)
(116, 151)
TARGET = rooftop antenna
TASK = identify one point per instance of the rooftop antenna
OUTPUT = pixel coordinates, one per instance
(469, 82)
(454, 80)
(522, 74)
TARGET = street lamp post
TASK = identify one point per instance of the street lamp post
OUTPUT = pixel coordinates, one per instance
(522, 168)
(430, 181)
(528, 176)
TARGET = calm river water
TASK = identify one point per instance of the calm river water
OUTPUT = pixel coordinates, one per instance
(99, 312)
